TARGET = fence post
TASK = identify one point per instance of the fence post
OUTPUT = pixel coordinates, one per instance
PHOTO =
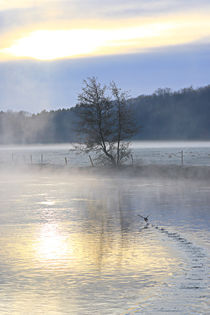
(66, 162)
(31, 158)
(182, 157)
(132, 159)
(41, 158)
(91, 161)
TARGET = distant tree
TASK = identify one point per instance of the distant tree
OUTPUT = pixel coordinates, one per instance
(105, 122)
(163, 92)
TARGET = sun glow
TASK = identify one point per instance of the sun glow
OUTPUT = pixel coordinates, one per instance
(46, 45)
(54, 44)
(76, 42)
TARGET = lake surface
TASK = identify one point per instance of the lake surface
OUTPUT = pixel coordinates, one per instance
(194, 153)
(74, 244)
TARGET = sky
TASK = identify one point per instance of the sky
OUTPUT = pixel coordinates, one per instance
(47, 48)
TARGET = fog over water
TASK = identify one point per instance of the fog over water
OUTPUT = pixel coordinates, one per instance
(144, 152)
(72, 243)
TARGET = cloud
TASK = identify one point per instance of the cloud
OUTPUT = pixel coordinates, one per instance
(139, 36)
(17, 13)
(96, 7)
(24, 16)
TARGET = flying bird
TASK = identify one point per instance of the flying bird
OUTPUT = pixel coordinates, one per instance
(145, 218)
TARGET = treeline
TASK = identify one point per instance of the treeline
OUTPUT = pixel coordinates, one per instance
(44, 127)
(164, 115)
(180, 115)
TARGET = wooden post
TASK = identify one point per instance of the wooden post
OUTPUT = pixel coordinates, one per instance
(91, 161)
(132, 159)
(12, 157)
(182, 158)
(31, 158)
(41, 158)
(66, 162)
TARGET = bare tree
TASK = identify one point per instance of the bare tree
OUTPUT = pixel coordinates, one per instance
(124, 123)
(105, 122)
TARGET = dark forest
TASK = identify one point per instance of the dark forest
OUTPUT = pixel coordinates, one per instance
(164, 115)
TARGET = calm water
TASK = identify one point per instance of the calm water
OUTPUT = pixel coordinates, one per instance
(76, 245)
(195, 153)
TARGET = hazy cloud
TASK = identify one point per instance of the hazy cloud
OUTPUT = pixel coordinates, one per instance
(19, 17)
(33, 86)
(23, 13)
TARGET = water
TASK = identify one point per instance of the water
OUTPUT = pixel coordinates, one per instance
(73, 244)
(195, 153)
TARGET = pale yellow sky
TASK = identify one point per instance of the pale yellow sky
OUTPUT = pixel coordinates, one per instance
(57, 37)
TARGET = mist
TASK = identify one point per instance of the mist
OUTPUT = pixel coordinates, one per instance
(75, 231)
(72, 238)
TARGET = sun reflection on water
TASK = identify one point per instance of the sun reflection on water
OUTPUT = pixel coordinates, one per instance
(52, 245)
(47, 203)
(80, 251)
(60, 261)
